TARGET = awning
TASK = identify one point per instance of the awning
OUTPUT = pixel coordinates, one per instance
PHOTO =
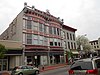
(75, 52)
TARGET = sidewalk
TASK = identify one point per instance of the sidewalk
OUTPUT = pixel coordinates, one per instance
(52, 67)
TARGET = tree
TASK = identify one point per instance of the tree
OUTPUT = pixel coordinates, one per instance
(2, 51)
(84, 42)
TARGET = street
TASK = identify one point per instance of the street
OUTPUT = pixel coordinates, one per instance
(60, 71)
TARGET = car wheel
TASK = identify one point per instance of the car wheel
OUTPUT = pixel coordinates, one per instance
(20, 74)
(36, 72)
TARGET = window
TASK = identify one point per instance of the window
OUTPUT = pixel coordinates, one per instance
(72, 45)
(59, 44)
(45, 29)
(45, 41)
(51, 41)
(29, 38)
(28, 24)
(55, 43)
(41, 40)
(65, 44)
(58, 31)
(54, 30)
(94, 43)
(70, 37)
(67, 36)
(74, 37)
(35, 39)
(35, 26)
(40, 27)
(94, 46)
(82, 66)
(50, 30)
(97, 46)
(97, 42)
(68, 45)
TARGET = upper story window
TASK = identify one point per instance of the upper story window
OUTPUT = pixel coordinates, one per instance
(54, 30)
(58, 32)
(74, 37)
(29, 38)
(35, 39)
(68, 45)
(28, 24)
(65, 45)
(41, 27)
(68, 36)
(45, 41)
(45, 29)
(35, 26)
(97, 42)
(97, 46)
(50, 30)
(51, 42)
(41, 39)
(72, 45)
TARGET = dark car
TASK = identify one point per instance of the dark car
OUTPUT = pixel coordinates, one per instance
(25, 70)
(89, 66)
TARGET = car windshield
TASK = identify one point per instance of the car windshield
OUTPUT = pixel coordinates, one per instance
(81, 65)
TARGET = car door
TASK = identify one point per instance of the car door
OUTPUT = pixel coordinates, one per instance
(25, 70)
(31, 70)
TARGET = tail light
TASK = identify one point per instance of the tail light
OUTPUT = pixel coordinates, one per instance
(94, 71)
(71, 72)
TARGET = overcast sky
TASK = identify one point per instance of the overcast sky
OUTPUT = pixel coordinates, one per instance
(83, 15)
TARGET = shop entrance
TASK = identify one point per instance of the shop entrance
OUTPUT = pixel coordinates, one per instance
(3, 64)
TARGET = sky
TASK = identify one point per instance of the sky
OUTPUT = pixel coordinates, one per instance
(83, 15)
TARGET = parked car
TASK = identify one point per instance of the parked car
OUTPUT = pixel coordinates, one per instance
(89, 66)
(25, 70)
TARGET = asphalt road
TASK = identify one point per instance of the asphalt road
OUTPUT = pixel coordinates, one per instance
(60, 71)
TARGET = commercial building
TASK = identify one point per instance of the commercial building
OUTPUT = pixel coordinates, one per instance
(69, 41)
(41, 36)
(95, 45)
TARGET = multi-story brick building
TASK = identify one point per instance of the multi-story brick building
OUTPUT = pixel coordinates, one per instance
(41, 35)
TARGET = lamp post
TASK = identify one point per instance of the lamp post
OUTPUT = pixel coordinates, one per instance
(23, 55)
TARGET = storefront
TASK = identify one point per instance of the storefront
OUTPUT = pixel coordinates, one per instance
(3, 64)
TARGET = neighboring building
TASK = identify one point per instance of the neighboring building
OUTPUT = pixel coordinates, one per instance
(95, 44)
(40, 34)
(69, 41)
(13, 56)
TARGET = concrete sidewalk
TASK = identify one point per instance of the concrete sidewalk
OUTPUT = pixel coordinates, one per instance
(52, 67)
